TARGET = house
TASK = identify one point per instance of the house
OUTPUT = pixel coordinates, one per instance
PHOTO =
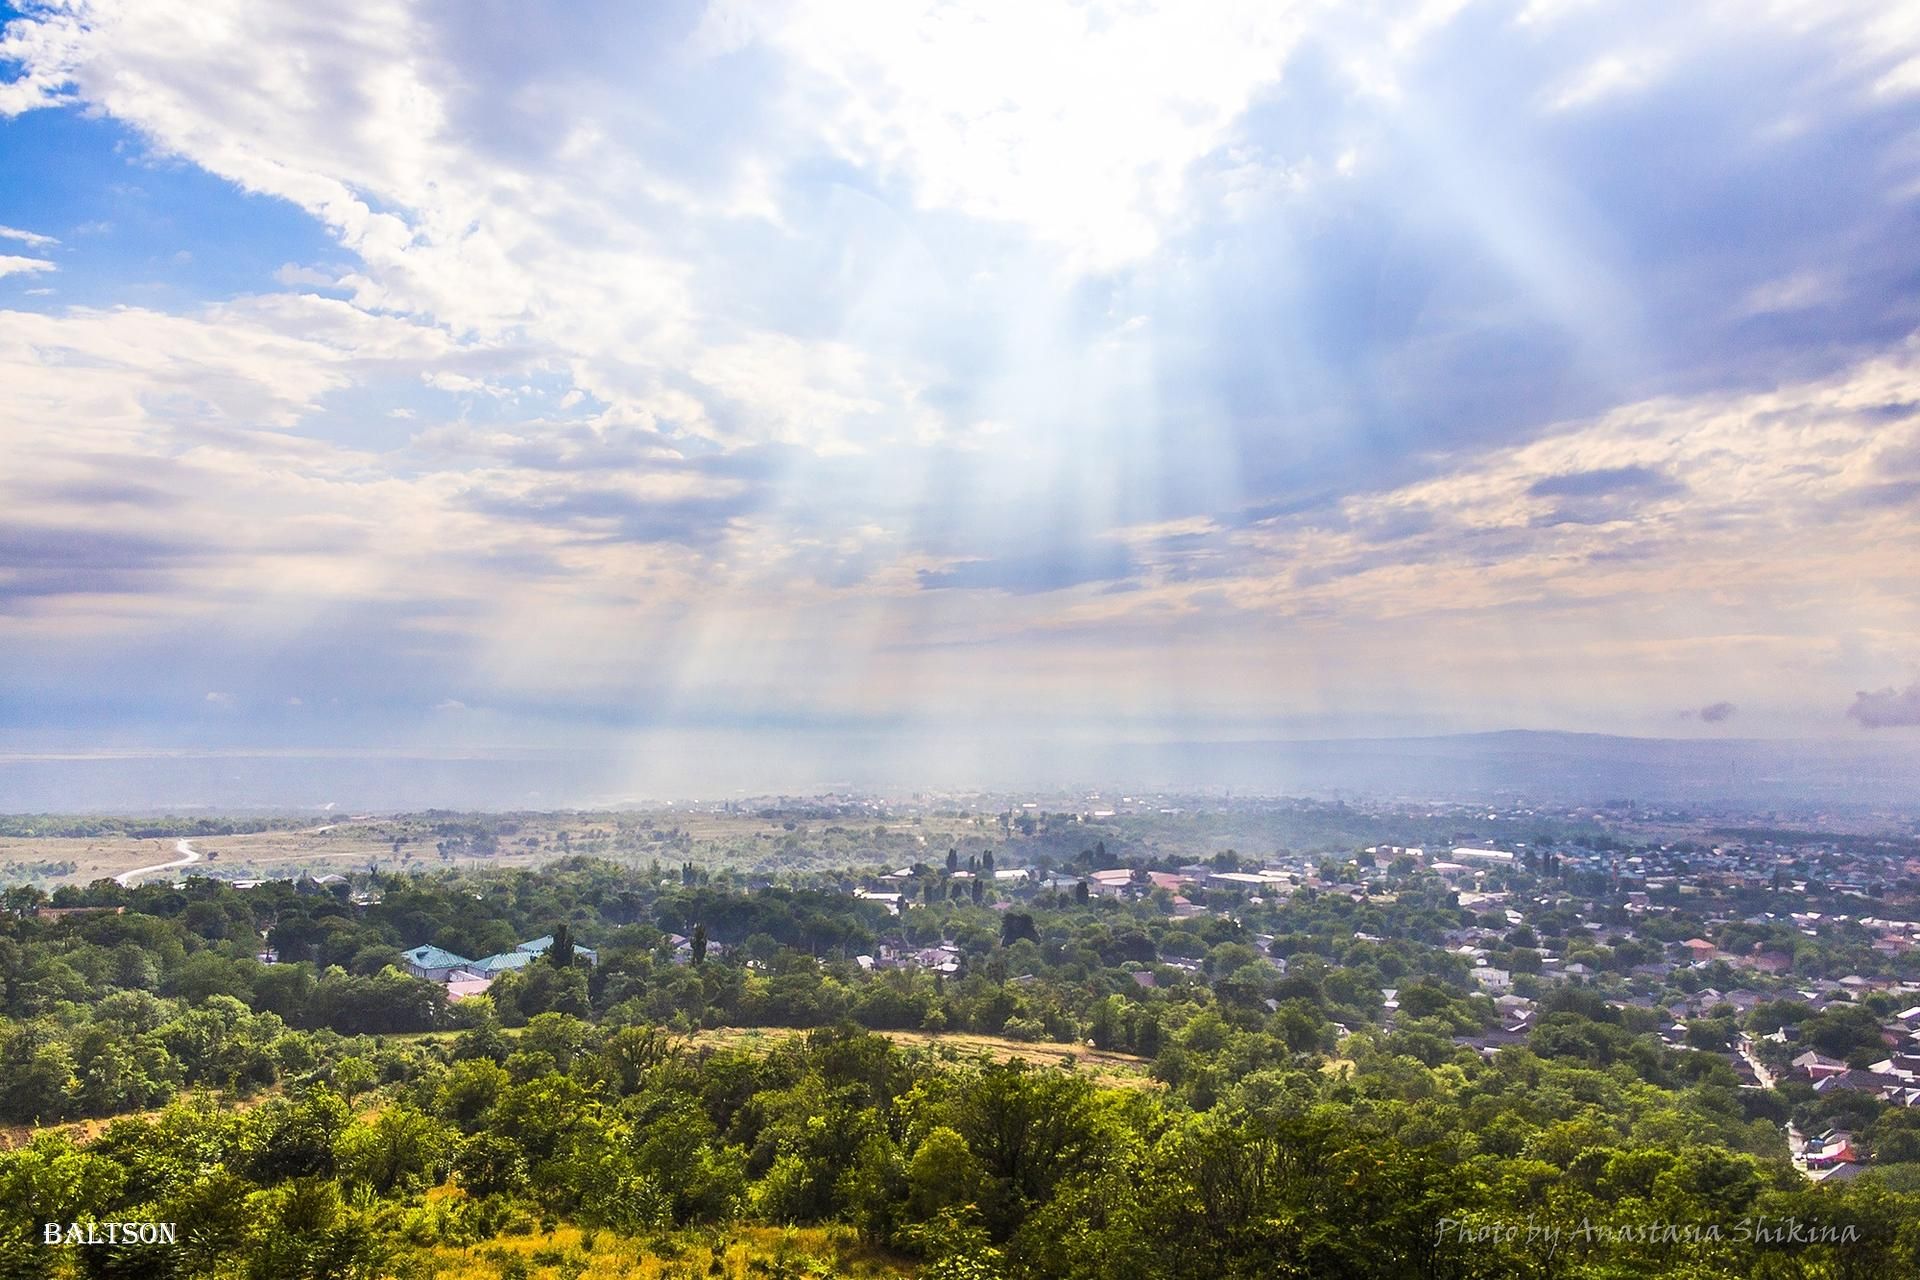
(1492, 979)
(544, 943)
(944, 958)
(1833, 1147)
(1836, 1173)
(1888, 1088)
(1817, 1066)
(460, 988)
(1238, 880)
(435, 964)
(1700, 950)
(493, 966)
(1904, 1065)
(891, 901)
(683, 948)
(1467, 853)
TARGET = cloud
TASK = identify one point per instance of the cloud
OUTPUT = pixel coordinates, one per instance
(1887, 708)
(114, 493)
(1084, 129)
(31, 239)
(1031, 574)
(1606, 495)
(603, 513)
(13, 265)
(1717, 712)
(775, 340)
(1602, 482)
(1611, 76)
(41, 562)
(292, 274)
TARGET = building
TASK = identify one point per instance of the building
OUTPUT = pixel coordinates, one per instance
(435, 964)
(1469, 854)
(492, 966)
(1700, 949)
(541, 945)
(1818, 1066)
(1491, 979)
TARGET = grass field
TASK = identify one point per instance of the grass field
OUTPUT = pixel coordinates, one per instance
(415, 843)
(567, 1253)
(1120, 1070)
(19, 1135)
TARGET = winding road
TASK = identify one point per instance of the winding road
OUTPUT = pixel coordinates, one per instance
(188, 856)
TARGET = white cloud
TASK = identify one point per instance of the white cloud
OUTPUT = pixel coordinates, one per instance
(1614, 75)
(11, 264)
(31, 239)
(1076, 122)
(1796, 292)
(640, 308)
(292, 274)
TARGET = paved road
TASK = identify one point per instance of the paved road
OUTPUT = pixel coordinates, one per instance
(188, 856)
(1753, 1060)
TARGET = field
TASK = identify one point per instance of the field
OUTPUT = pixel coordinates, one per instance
(78, 1131)
(765, 841)
(1120, 1070)
(430, 842)
(1106, 1067)
(738, 1252)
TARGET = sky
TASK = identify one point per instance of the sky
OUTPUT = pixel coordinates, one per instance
(443, 376)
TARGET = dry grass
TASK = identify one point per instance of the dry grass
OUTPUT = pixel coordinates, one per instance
(351, 844)
(569, 1254)
(82, 1131)
(342, 848)
(1119, 1070)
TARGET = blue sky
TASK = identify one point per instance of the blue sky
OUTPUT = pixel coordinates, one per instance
(521, 374)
